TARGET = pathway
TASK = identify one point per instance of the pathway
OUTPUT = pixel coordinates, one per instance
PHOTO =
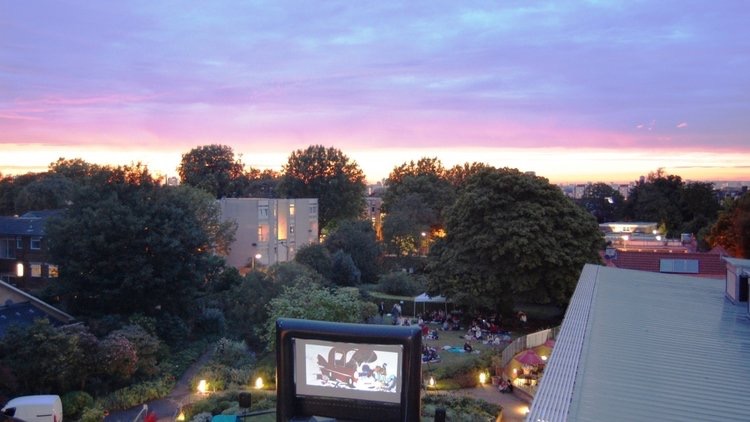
(167, 408)
(514, 409)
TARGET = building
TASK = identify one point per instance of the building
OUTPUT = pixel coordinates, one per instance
(699, 264)
(644, 346)
(374, 214)
(269, 230)
(23, 260)
(20, 308)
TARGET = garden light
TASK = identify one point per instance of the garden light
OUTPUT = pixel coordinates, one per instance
(482, 378)
(202, 386)
(259, 383)
(432, 382)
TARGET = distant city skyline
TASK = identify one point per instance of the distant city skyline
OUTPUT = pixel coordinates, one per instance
(575, 91)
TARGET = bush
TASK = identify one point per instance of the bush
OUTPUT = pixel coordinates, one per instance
(93, 414)
(139, 393)
(211, 321)
(75, 402)
(459, 408)
(232, 353)
(400, 283)
(172, 329)
(464, 373)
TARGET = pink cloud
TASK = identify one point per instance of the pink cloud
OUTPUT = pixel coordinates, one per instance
(682, 125)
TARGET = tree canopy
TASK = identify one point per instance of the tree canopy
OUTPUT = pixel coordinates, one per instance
(214, 169)
(603, 202)
(356, 238)
(511, 236)
(131, 245)
(732, 229)
(329, 175)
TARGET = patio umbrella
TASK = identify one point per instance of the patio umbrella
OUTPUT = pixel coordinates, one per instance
(545, 349)
(529, 357)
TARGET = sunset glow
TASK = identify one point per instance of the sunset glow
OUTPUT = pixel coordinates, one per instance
(573, 91)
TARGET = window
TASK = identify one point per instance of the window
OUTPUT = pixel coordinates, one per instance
(52, 271)
(263, 211)
(683, 266)
(36, 243)
(36, 269)
(19, 243)
(263, 233)
(313, 209)
(291, 229)
(291, 209)
(8, 248)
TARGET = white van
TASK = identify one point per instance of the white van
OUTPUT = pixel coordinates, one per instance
(44, 408)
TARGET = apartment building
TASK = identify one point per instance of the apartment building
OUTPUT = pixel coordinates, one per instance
(269, 230)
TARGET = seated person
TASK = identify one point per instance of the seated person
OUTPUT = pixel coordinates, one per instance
(505, 386)
(468, 348)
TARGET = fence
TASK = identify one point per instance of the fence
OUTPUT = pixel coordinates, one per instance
(527, 342)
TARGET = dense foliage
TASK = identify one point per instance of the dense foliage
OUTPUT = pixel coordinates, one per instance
(511, 237)
(130, 245)
(732, 229)
(326, 174)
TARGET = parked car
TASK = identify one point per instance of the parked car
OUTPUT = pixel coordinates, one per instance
(41, 408)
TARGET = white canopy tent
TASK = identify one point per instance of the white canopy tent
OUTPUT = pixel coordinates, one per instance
(425, 298)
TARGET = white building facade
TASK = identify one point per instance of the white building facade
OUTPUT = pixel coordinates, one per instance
(269, 230)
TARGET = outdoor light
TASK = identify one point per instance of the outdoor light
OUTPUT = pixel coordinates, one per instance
(432, 382)
(19, 269)
(259, 383)
(202, 386)
(658, 238)
(544, 358)
(515, 371)
(258, 256)
(482, 378)
(625, 238)
(181, 416)
(525, 410)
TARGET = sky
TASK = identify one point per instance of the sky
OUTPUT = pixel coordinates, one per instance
(575, 91)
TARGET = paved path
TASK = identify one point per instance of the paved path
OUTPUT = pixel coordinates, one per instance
(166, 409)
(514, 409)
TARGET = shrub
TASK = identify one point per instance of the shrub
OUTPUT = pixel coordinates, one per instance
(400, 283)
(459, 408)
(75, 402)
(93, 414)
(464, 373)
(139, 393)
(172, 329)
(233, 353)
(211, 321)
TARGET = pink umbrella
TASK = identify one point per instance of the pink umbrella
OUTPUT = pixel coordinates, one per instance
(529, 357)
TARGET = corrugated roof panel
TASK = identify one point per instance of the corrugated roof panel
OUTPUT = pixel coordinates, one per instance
(661, 347)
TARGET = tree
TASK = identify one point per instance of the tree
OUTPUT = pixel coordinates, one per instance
(345, 272)
(131, 246)
(700, 207)
(414, 202)
(357, 239)
(41, 357)
(326, 174)
(732, 228)
(317, 257)
(262, 184)
(657, 198)
(308, 300)
(50, 191)
(511, 237)
(214, 169)
(603, 202)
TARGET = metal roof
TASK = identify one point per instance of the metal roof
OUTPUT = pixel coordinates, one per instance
(653, 347)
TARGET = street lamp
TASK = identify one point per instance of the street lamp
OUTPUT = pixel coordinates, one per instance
(256, 256)
(19, 270)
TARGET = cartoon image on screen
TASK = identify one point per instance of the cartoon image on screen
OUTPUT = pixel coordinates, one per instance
(350, 370)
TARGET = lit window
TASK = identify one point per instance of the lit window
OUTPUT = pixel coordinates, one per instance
(36, 243)
(52, 271)
(36, 269)
(291, 209)
(262, 233)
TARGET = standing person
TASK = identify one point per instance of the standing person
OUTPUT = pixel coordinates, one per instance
(395, 313)
(381, 310)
